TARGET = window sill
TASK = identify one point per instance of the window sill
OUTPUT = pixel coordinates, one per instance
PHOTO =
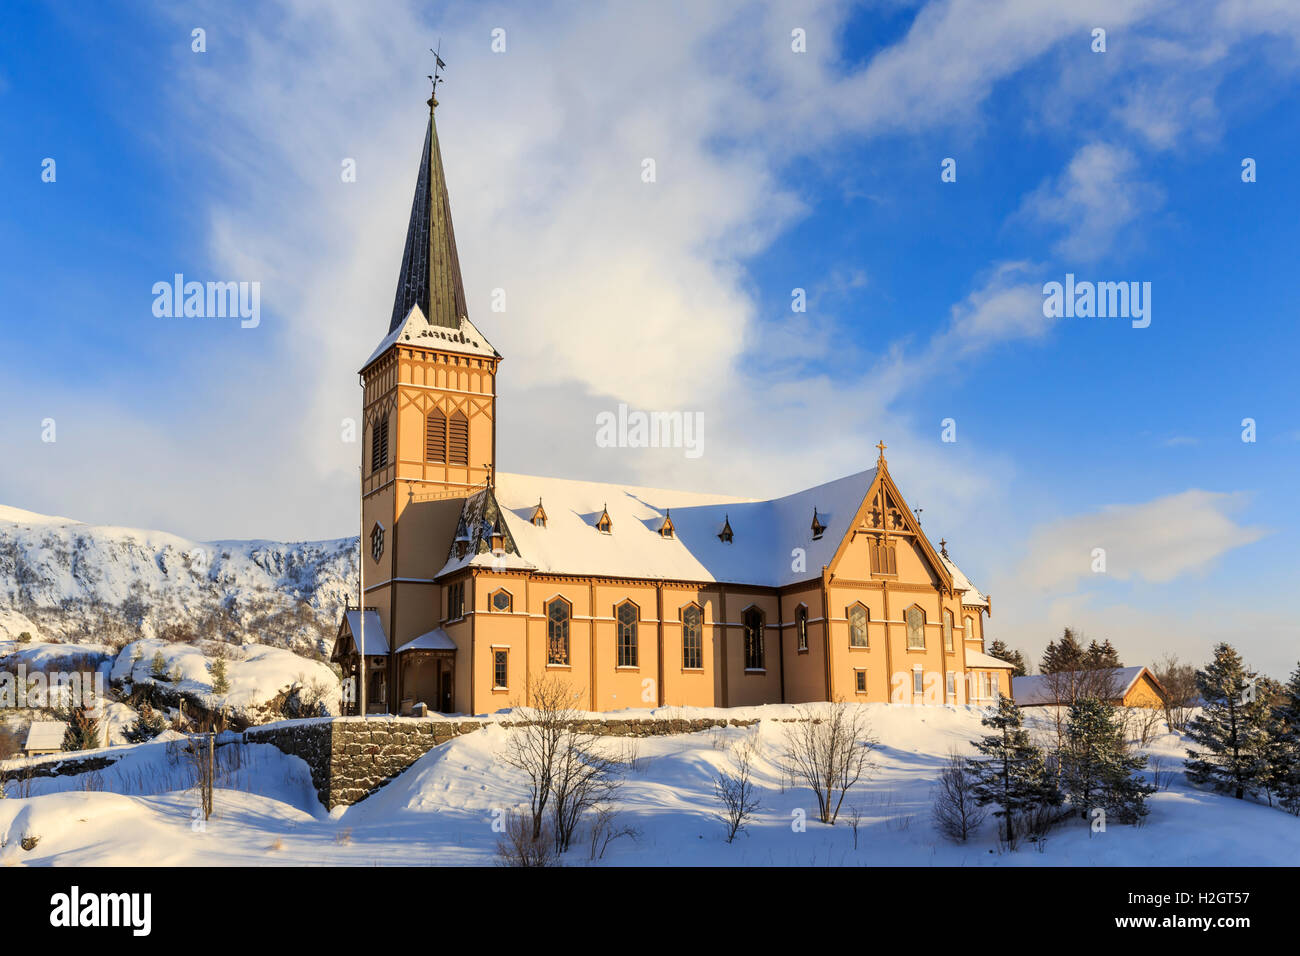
(500, 690)
(801, 650)
(859, 647)
(692, 670)
(627, 667)
(559, 667)
(755, 670)
(916, 650)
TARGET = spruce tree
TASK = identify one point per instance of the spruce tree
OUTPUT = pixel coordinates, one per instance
(1285, 750)
(1012, 773)
(1230, 733)
(1065, 655)
(158, 666)
(83, 729)
(220, 684)
(1000, 650)
(1101, 657)
(1096, 768)
(148, 725)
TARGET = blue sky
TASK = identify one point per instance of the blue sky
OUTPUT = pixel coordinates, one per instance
(775, 170)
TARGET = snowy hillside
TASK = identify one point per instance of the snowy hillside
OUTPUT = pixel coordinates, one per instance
(441, 810)
(64, 580)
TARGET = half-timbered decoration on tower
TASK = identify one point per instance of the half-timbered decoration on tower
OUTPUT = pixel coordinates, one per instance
(638, 597)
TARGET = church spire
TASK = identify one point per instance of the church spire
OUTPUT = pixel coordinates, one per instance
(430, 276)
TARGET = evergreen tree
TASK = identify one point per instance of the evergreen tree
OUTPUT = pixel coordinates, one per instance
(1000, 650)
(1285, 749)
(1012, 773)
(1064, 655)
(1101, 657)
(1230, 733)
(1096, 768)
(83, 729)
(158, 666)
(148, 725)
(220, 684)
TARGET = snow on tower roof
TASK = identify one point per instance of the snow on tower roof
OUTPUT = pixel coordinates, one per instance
(417, 331)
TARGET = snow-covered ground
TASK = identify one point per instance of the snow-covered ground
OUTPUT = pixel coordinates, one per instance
(442, 809)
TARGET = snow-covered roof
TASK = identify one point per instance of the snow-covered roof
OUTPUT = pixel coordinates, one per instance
(977, 659)
(972, 597)
(1037, 688)
(417, 331)
(766, 532)
(435, 640)
(46, 735)
(376, 640)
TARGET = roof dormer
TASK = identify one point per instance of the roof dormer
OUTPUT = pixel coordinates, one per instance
(538, 516)
(726, 534)
(665, 528)
(818, 529)
(605, 524)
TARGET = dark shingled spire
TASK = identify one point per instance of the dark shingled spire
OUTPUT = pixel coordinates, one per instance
(430, 276)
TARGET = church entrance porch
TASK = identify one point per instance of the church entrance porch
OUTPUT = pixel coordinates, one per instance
(426, 669)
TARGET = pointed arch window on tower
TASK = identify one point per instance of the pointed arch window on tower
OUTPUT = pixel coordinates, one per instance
(435, 436)
(379, 443)
(458, 439)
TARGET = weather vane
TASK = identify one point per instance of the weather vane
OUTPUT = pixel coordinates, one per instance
(438, 66)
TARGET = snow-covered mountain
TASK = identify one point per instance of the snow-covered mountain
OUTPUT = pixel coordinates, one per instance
(65, 580)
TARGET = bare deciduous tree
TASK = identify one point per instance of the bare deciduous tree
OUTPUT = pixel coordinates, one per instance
(956, 812)
(829, 752)
(582, 777)
(535, 740)
(1179, 681)
(735, 789)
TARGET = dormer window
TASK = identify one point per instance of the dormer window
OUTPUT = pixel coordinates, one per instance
(818, 529)
(497, 536)
(726, 534)
(666, 529)
(538, 517)
(605, 524)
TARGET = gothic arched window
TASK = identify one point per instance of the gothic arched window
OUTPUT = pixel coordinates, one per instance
(858, 618)
(692, 637)
(627, 635)
(557, 632)
(915, 628)
(753, 623)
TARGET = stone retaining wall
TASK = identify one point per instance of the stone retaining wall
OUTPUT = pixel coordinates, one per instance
(351, 758)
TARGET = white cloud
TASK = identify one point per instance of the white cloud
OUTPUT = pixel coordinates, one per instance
(1098, 196)
(1155, 541)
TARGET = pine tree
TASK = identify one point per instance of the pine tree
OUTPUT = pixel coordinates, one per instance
(1096, 768)
(1231, 731)
(1013, 772)
(148, 725)
(1285, 750)
(1000, 650)
(220, 684)
(1101, 657)
(1065, 655)
(83, 729)
(158, 666)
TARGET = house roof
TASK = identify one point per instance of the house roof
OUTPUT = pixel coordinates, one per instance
(766, 532)
(46, 735)
(1037, 688)
(978, 659)
(376, 639)
(972, 597)
(435, 640)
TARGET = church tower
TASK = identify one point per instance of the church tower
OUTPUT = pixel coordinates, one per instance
(429, 410)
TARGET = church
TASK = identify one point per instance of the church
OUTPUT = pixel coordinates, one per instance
(477, 582)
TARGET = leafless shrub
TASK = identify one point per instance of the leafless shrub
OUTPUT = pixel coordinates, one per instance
(855, 821)
(583, 779)
(735, 790)
(519, 847)
(605, 829)
(29, 841)
(955, 811)
(1158, 775)
(829, 753)
(630, 755)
